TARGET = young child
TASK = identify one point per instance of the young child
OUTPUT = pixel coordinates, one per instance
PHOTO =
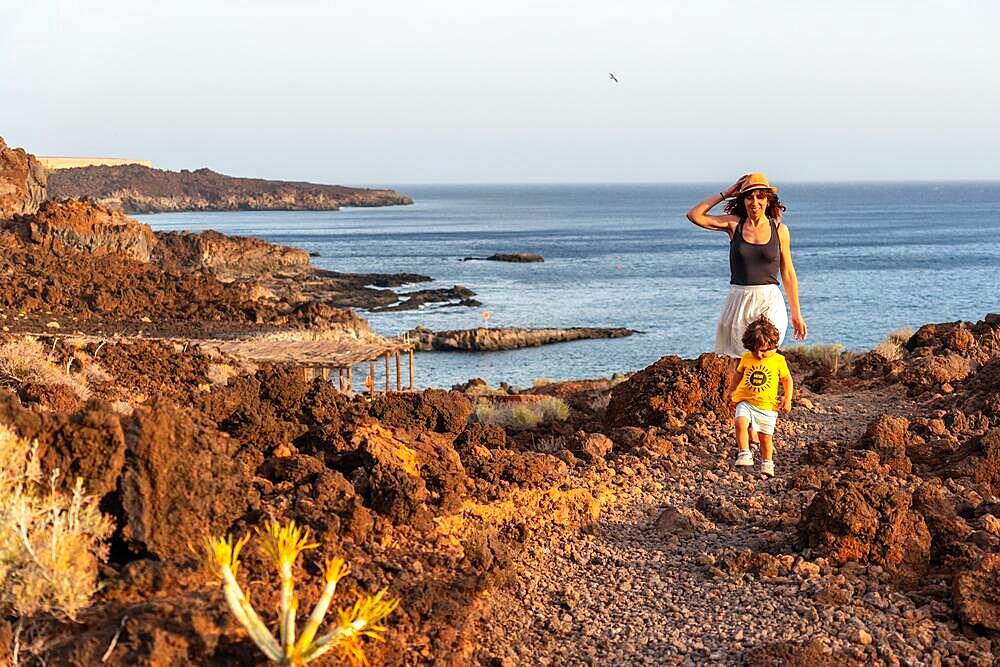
(754, 390)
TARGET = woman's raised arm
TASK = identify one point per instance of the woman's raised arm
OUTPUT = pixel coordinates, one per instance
(722, 223)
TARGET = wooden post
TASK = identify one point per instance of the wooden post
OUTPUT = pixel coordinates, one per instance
(305, 373)
(341, 377)
(411, 368)
(399, 381)
(387, 372)
(371, 377)
(326, 373)
(350, 378)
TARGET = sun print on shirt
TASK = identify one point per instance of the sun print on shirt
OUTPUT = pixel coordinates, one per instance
(757, 378)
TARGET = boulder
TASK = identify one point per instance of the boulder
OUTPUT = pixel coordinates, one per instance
(930, 372)
(940, 509)
(670, 390)
(863, 518)
(181, 483)
(982, 464)
(86, 226)
(591, 447)
(433, 409)
(976, 594)
(888, 436)
(89, 443)
(675, 521)
(22, 182)
(720, 509)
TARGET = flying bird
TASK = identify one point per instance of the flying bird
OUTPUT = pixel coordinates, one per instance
(612, 77)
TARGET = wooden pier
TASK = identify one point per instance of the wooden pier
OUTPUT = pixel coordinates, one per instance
(322, 358)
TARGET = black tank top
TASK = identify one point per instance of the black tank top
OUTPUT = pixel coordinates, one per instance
(754, 263)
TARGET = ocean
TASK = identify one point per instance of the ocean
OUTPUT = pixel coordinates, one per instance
(870, 258)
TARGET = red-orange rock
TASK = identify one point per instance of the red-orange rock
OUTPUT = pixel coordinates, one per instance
(86, 226)
(180, 483)
(22, 182)
(863, 518)
(976, 594)
(670, 390)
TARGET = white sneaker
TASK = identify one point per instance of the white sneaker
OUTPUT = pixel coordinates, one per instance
(767, 468)
(745, 458)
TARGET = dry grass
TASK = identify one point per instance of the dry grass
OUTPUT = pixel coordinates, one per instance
(891, 348)
(220, 374)
(520, 416)
(51, 541)
(25, 360)
(826, 354)
(899, 336)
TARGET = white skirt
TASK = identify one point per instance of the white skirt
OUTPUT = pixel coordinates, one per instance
(744, 304)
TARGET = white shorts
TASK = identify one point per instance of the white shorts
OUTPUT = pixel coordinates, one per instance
(744, 304)
(762, 421)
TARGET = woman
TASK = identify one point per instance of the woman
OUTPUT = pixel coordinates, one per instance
(759, 249)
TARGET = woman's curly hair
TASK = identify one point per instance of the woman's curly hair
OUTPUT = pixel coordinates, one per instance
(736, 206)
(761, 334)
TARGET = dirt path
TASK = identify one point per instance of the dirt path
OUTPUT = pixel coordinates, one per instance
(633, 593)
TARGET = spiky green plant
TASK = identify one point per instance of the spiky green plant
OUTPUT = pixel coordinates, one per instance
(283, 544)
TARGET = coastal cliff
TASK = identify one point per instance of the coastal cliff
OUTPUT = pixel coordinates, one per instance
(139, 189)
(22, 182)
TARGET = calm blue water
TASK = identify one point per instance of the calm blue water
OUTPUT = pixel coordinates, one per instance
(870, 258)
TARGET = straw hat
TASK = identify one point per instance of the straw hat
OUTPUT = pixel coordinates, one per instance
(756, 182)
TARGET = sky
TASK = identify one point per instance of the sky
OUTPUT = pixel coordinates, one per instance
(438, 91)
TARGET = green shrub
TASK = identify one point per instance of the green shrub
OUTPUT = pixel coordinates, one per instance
(552, 409)
(520, 416)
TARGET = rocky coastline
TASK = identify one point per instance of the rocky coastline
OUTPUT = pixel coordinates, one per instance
(136, 188)
(486, 339)
(599, 522)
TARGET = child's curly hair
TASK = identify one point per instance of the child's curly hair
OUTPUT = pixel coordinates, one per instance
(761, 334)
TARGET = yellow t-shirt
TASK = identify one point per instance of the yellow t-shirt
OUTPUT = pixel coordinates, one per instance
(759, 384)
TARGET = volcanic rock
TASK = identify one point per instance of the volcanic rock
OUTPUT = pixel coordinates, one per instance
(933, 371)
(888, 437)
(228, 257)
(88, 227)
(22, 182)
(434, 409)
(515, 257)
(869, 520)
(88, 444)
(976, 594)
(180, 483)
(506, 338)
(669, 391)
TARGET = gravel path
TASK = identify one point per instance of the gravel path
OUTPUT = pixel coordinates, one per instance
(632, 593)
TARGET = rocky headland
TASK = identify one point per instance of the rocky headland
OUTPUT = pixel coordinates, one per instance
(484, 339)
(136, 188)
(609, 528)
